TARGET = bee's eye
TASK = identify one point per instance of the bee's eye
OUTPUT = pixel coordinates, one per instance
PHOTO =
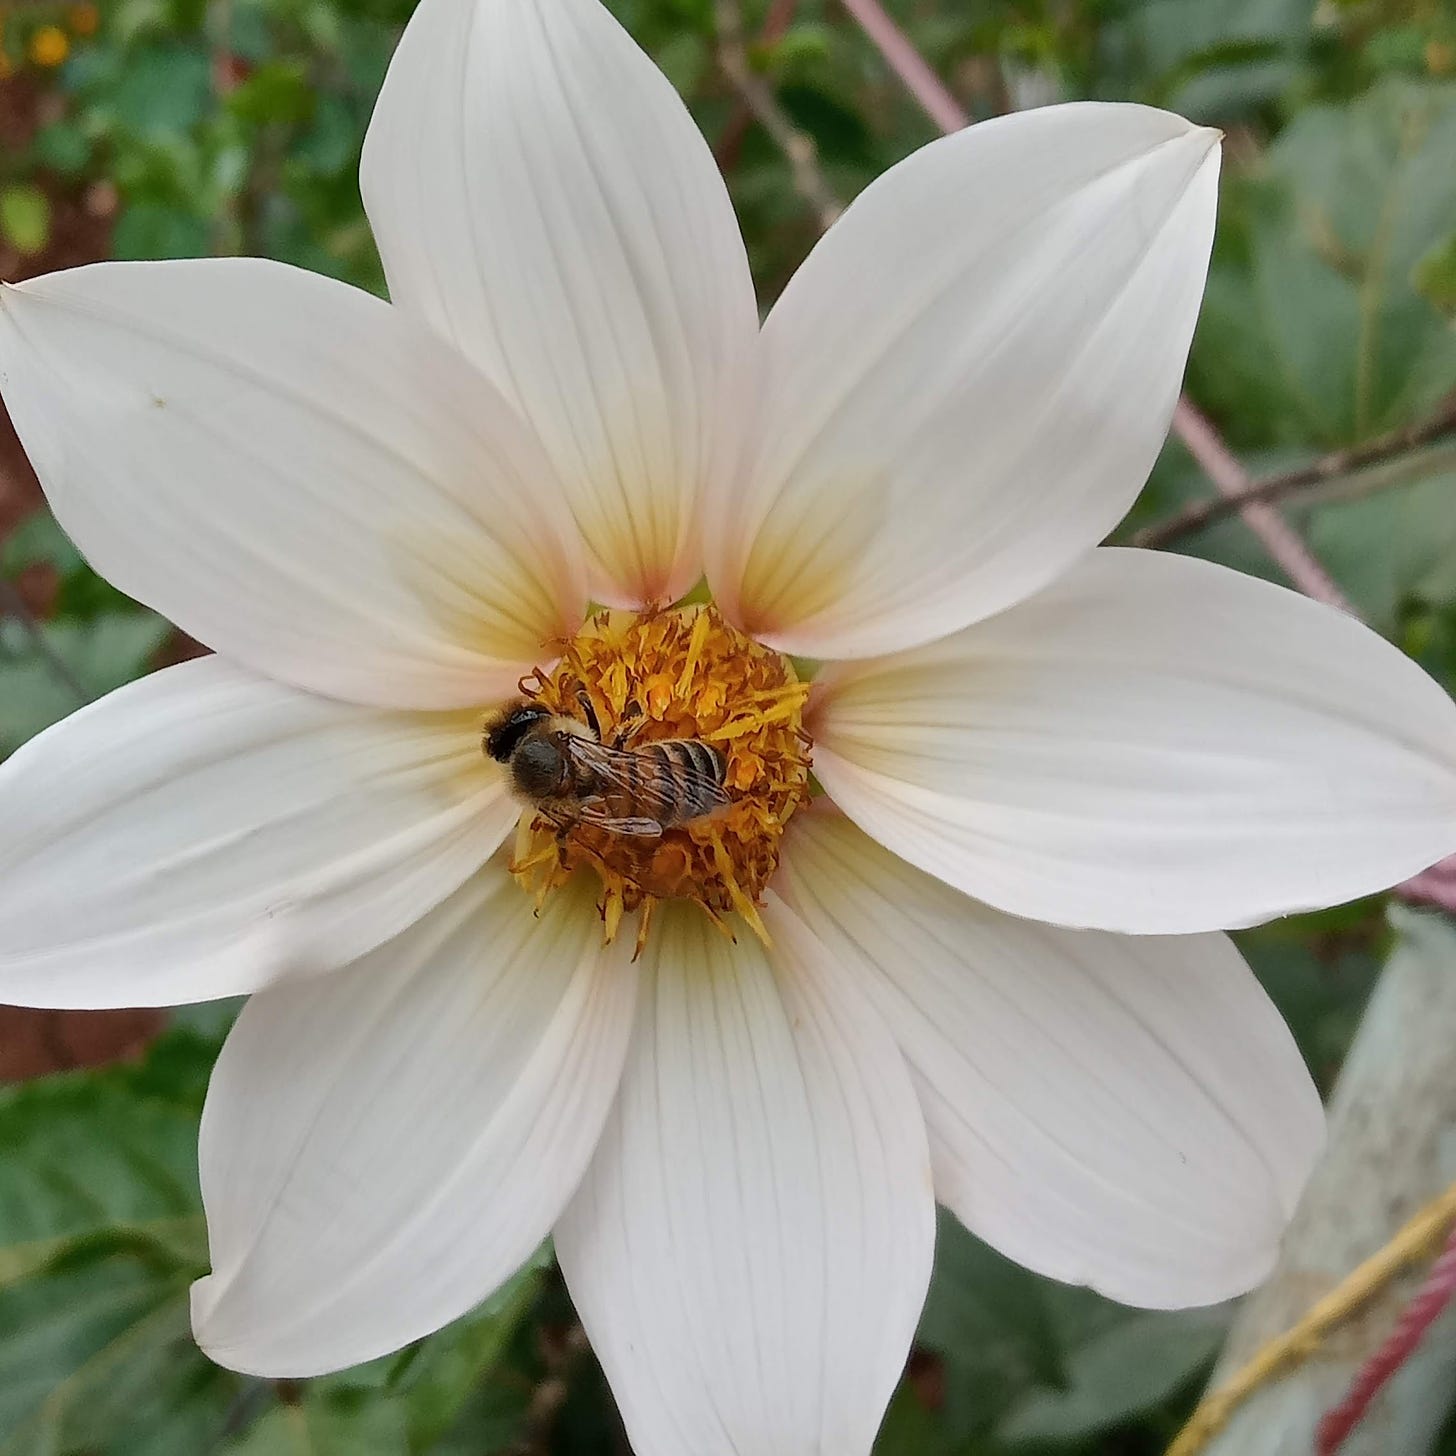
(502, 739)
(537, 768)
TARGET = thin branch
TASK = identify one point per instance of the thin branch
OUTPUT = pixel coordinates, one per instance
(758, 96)
(909, 65)
(730, 143)
(1328, 469)
(1231, 480)
(244, 1408)
(559, 1352)
(12, 604)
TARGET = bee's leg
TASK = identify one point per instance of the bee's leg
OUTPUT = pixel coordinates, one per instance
(559, 824)
(632, 720)
(589, 713)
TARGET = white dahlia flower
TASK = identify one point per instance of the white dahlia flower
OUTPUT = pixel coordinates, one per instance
(730, 1067)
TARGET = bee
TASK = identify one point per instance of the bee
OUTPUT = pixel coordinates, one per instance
(561, 765)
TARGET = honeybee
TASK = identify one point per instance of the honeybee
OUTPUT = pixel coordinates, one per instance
(562, 767)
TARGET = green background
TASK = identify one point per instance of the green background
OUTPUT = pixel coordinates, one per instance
(178, 127)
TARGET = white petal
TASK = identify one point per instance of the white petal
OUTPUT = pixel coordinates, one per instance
(751, 1247)
(1127, 1112)
(295, 473)
(202, 832)
(1154, 745)
(966, 384)
(540, 194)
(384, 1146)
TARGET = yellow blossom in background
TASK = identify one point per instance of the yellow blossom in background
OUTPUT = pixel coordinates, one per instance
(49, 46)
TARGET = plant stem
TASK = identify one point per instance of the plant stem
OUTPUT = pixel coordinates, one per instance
(1328, 469)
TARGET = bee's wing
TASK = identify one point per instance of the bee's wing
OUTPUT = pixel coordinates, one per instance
(615, 767)
(594, 812)
(648, 787)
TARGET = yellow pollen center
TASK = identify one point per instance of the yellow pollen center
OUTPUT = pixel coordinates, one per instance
(676, 674)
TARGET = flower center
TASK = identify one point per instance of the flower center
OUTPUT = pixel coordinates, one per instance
(671, 823)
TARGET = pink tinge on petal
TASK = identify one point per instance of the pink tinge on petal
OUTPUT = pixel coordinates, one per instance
(966, 384)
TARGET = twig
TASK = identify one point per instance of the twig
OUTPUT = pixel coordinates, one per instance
(1231, 480)
(1413, 1242)
(1424, 1309)
(12, 604)
(1327, 469)
(759, 98)
(909, 65)
(730, 142)
(244, 1408)
(559, 1354)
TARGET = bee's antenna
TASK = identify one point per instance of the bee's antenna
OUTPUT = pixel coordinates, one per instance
(588, 709)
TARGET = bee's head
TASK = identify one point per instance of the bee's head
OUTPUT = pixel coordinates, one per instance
(538, 767)
(505, 731)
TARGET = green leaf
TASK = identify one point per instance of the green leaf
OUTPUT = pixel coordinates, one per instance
(435, 1378)
(39, 541)
(25, 217)
(277, 92)
(96, 1357)
(684, 60)
(910, 1429)
(1318, 970)
(1313, 331)
(149, 230)
(1394, 545)
(103, 1156)
(99, 656)
(161, 90)
(492, 1421)
(988, 1319)
(1209, 62)
(319, 1420)
(101, 1234)
(1121, 1363)
(64, 147)
(1435, 275)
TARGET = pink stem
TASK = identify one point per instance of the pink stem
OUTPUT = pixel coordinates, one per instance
(1415, 1319)
(1230, 478)
(1435, 886)
(909, 65)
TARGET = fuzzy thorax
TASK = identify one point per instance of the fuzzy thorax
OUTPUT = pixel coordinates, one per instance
(681, 673)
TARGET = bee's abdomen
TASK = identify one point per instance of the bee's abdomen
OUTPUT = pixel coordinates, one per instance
(695, 772)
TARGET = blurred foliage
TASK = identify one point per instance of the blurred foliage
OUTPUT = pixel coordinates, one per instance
(190, 127)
